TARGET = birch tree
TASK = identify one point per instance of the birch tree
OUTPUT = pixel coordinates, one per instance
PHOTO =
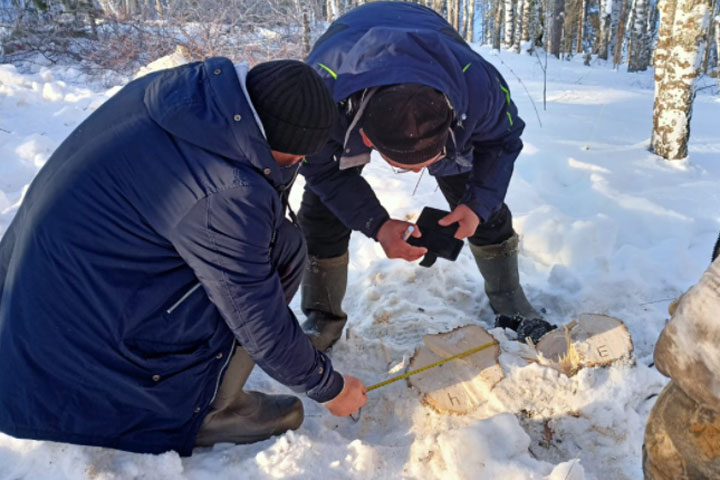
(469, 16)
(535, 27)
(556, 21)
(509, 24)
(497, 24)
(452, 6)
(604, 23)
(711, 37)
(570, 25)
(582, 15)
(638, 37)
(717, 46)
(527, 19)
(683, 23)
(620, 33)
(523, 8)
(332, 10)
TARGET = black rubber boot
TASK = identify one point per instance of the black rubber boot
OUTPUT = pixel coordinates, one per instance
(498, 265)
(323, 290)
(239, 416)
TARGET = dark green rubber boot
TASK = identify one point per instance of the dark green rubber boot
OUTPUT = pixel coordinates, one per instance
(239, 416)
(498, 265)
(323, 290)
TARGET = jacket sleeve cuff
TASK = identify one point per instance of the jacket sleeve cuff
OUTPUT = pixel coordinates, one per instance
(373, 224)
(329, 385)
(482, 210)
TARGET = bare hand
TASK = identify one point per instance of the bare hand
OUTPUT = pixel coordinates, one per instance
(467, 219)
(350, 399)
(391, 239)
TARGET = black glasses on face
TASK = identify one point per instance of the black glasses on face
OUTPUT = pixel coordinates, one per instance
(399, 170)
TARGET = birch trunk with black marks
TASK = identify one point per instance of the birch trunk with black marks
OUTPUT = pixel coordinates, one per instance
(519, 24)
(456, 17)
(620, 34)
(651, 32)
(683, 24)
(638, 37)
(331, 10)
(497, 25)
(616, 13)
(582, 15)
(604, 23)
(556, 21)
(509, 24)
(710, 37)
(527, 19)
(451, 5)
(469, 20)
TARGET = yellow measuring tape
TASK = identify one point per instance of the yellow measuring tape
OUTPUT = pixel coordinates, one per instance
(432, 365)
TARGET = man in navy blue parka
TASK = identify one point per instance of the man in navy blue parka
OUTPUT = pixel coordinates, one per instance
(151, 263)
(408, 86)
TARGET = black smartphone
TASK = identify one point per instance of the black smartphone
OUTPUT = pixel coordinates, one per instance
(440, 241)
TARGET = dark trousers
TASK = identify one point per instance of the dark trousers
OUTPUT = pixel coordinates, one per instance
(288, 256)
(328, 237)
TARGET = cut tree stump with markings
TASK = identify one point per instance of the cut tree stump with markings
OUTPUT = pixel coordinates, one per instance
(590, 341)
(462, 385)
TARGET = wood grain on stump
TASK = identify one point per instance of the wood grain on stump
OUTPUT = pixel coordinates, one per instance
(462, 385)
(590, 341)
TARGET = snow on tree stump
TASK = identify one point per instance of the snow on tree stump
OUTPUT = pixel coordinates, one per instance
(590, 341)
(462, 385)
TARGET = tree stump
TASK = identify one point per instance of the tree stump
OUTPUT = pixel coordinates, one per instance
(462, 385)
(590, 341)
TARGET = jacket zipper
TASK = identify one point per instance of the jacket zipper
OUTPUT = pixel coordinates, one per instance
(182, 299)
(222, 369)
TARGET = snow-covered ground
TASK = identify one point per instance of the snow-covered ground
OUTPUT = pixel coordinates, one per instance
(606, 227)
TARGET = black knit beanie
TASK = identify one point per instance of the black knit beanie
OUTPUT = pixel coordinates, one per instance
(408, 123)
(294, 106)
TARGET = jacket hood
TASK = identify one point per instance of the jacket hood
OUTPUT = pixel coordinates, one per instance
(385, 43)
(204, 104)
(387, 56)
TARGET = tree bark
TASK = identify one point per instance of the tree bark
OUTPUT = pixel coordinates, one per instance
(556, 21)
(639, 40)
(582, 15)
(677, 65)
(509, 24)
(569, 26)
(519, 24)
(710, 38)
(470, 20)
(456, 18)
(332, 10)
(717, 47)
(620, 36)
(527, 14)
(604, 22)
(652, 30)
(497, 25)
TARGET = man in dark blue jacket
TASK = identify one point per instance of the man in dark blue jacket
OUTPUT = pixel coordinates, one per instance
(410, 87)
(151, 263)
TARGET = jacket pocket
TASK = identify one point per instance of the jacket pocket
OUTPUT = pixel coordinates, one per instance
(174, 337)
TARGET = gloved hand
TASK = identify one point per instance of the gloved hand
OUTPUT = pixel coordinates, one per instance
(534, 328)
